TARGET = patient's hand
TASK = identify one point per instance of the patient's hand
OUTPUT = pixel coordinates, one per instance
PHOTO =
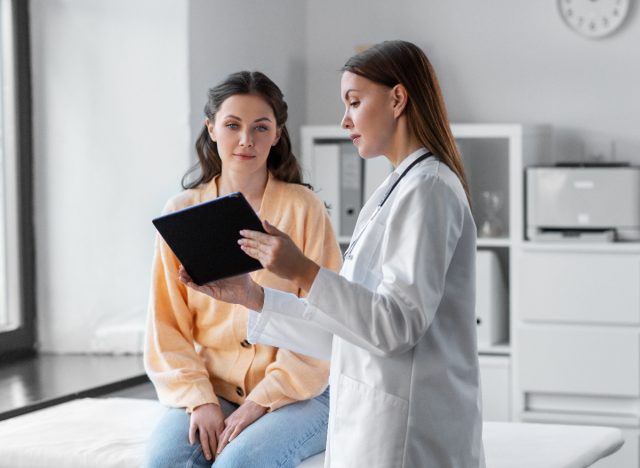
(208, 421)
(239, 289)
(237, 421)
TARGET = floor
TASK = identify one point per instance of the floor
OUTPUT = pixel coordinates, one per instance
(143, 390)
(33, 383)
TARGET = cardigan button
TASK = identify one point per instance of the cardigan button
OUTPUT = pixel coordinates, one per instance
(245, 344)
(239, 391)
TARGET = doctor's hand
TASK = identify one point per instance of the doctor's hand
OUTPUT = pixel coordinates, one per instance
(277, 253)
(239, 289)
(208, 421)
(247, 413)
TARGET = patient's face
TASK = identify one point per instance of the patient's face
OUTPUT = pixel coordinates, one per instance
(244, 129)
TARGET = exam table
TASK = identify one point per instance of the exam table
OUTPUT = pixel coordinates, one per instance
(112, 433)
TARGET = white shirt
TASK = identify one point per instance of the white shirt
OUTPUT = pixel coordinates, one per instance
(399, 325)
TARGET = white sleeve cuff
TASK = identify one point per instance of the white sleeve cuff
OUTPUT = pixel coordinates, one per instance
(257, 322)
(282, 324)
(318, 290)
(275, 302)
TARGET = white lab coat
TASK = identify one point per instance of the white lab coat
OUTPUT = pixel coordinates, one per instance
(399, 325)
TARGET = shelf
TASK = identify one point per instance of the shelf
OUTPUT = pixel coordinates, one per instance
(500, 349)
(575, 418)
(482, 241)
(592, 247)
(493, 242)
(345, 240)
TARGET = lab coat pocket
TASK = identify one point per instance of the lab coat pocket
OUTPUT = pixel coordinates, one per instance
(370, 427)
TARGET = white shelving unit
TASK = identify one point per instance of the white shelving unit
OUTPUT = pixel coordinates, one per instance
(494, 156)
(572, 355)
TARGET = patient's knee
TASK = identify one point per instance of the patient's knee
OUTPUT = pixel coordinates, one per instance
(238, 455)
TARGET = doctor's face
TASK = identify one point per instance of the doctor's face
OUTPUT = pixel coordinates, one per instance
(244, 130)
(368, 114)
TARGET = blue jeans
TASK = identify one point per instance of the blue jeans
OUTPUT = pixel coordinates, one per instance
(281, 438)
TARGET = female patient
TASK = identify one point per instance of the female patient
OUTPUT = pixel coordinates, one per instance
(233, 402)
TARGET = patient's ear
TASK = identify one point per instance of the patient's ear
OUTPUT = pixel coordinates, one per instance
(210, 128)
(278, 135)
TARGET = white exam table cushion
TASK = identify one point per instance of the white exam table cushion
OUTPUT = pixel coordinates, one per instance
(89, 432)
(113, 432)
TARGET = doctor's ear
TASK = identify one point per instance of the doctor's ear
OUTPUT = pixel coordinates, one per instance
(210, 129)
(399, 99)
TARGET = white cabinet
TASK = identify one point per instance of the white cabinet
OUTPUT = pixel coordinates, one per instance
(578, 287)
(577, 338)
(495, 380)
(575, 360)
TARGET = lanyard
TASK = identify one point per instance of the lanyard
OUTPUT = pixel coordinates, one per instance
(347, 254)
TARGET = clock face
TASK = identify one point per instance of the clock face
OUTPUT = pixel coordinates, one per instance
(594, 18)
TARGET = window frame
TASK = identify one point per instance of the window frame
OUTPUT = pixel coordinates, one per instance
(16, 109)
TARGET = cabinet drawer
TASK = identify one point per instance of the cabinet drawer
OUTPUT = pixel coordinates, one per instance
(496, 383)
(580, 287)
(577, 360)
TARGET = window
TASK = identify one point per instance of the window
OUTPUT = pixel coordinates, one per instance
(16, 225)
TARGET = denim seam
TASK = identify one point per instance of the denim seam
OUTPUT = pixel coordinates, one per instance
(314, 431)
(195, 454)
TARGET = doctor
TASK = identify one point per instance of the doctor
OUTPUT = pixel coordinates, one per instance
(398, 321)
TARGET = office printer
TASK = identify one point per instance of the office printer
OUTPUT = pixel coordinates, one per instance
(583, 202)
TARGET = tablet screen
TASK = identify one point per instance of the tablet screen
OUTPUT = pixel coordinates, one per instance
(205, 237)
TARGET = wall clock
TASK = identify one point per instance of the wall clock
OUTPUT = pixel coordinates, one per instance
(594, 18)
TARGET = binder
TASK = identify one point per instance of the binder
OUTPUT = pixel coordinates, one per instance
(326, 161)
(344, 181)
(491, 300)
(351, 182)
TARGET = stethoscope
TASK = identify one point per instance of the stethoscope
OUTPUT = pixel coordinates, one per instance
(348, 253)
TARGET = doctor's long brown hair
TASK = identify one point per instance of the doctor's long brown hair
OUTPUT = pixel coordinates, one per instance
(399, 62)
(281, 161)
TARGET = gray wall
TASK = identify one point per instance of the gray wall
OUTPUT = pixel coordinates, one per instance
(498, 61)
(269, 36)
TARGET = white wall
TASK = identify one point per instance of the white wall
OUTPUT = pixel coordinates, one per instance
(498, 61)
(111, 138)
(119, 88)
(268, 36)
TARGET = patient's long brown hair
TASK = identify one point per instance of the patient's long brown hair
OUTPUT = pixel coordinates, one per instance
(281, 161)
(399, 62)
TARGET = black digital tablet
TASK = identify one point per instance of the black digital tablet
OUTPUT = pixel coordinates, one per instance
(205, 237)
